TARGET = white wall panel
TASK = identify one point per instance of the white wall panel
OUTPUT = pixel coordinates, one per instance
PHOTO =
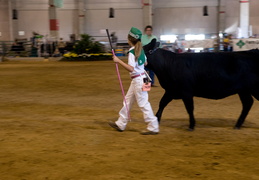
(231, 16)
(254, 22)
(31, 4)
(184, 3)
(170, 17)
(30, 21)
(184, 20)
(68, 23)
(38, 21)
(124, 19)
(254, 16)
(104, 4)
(5, 21)
(43, 4)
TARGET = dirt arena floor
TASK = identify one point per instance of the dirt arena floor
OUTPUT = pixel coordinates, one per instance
(53, 126)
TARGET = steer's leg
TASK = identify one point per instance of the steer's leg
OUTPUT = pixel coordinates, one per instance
(167, 98)
(188, 102)
(247, 102)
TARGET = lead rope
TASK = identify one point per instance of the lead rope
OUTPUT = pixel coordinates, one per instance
(119, 77)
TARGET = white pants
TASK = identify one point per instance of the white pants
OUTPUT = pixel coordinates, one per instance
(135, 93)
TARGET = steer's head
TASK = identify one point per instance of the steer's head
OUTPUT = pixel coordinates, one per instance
(149, 50)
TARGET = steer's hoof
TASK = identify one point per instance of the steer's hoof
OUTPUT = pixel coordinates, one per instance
(238, 128)
(190, 129)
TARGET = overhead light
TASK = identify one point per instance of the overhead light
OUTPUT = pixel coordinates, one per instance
(194, 37)
(168, 38)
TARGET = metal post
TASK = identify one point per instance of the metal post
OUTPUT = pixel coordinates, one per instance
(244, 18)
(81, 18)
(53, 21)
(11, 29)
(218, 26)
(147, 12)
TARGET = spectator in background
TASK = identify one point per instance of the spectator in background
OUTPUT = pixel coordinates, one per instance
(189, 50)
(61, 46)
(145, 39)
(114, 38)
(177, 45)
(230, 48)
(17, 47)
(225, 43)
(72, 38)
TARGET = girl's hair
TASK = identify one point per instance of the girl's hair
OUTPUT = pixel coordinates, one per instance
(138, 45)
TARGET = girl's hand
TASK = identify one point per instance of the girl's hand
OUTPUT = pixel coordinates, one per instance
(123, 64)
(116, 59)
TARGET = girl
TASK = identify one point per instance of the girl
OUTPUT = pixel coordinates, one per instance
(136, 61)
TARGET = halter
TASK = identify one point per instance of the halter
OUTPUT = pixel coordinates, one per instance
(152, 51)
(156, 47)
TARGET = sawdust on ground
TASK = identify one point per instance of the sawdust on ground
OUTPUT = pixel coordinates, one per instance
(53, 126)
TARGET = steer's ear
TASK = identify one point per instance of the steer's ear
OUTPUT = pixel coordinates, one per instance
(153, 43)
(150, 46)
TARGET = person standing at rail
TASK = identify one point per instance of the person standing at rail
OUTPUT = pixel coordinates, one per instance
(146, 39)
(135, 66)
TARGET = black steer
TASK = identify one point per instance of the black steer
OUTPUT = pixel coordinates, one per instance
(207, 75)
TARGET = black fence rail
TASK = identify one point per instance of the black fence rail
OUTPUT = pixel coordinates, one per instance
(30, 49)
(13, 48)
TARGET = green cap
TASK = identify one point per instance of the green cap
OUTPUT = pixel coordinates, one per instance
(135, 32)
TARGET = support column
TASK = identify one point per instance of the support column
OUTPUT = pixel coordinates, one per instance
(244, 19)
(12, 30)
(147, 12)
(222, 14)
(14, 21)
(81, 18)
(218, 26)
(53, 21)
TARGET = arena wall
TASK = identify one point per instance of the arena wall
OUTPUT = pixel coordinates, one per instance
(5, 28)
(169, 17)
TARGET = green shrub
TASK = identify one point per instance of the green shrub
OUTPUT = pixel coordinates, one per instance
(87, 45)
(87, 50)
